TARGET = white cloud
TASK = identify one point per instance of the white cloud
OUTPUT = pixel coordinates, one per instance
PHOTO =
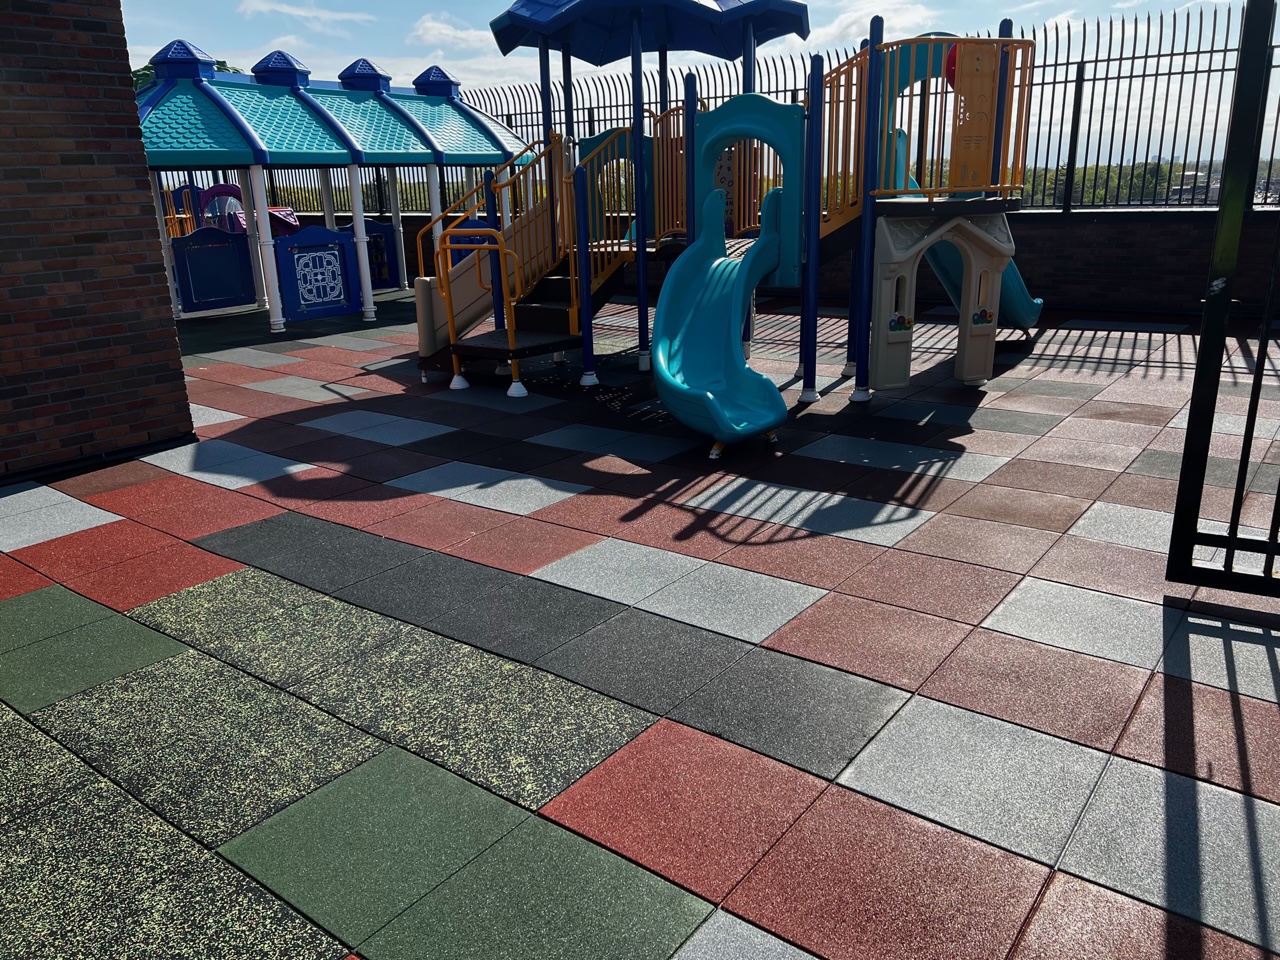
(443, 32)
(1127, 4)
(851, 26)
(314, 18)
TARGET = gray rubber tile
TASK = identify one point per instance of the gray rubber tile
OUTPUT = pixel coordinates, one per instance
(205, 455)
(796, 711)
(519, 731)
(735, 602)
(43, 613)
(427, 587)
(1126, 525)
(21, 497)
(212, 750)
(926, 461)
(250, 357)
(1190, 847)
(847, 517)
(1086, 621)
(581, 437)
(341, 560)
(1233, 424)
(725, 937)
(619, 571)
(241, 473)
(350, 422)
(489, 487)
(645, 660)
(401, 431)
(285, 533)
(304, 388)
(48, 523)
(525, 619)
(648, 448)
(1013, 787)
(33, 769)
(100, 876)
(202, 416)
(1221, 653)
(346, 342)
(1058, 388)
(1014, 421)
(920, 412)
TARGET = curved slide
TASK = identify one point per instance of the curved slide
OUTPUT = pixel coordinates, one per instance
(699, 368)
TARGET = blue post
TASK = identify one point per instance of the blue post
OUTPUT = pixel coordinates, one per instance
(812, 219)
(544, 81)
(583, 253)
(690, 118)
(566, 68)
(638, 171)
(1002, 106)
(664, 81)
(859, 352)
(748, 57)
(495, 258)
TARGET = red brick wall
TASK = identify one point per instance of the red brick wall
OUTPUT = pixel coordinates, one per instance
(89, 359)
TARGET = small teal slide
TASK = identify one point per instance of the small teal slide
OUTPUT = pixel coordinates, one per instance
(1018, 309)
(699, 368)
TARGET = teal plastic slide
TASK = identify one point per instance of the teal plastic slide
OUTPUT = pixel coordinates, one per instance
(699, 369)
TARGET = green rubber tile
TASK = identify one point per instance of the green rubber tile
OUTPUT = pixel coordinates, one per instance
(33, 768)
(522, 733)
(356, 853)
(544, 893)
(270, 627)
(212, 750)
(47, 671)
(94, 874)
(45, 613)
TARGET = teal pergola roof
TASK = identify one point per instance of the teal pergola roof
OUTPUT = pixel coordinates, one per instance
(196, 118)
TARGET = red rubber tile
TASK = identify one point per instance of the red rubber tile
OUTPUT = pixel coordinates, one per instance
(596, 511)
(17, 578)
(1207, 733)
(230, 429)
(232, 373)
(855, 878)
(696, 809)
(150, 577)
(333, 355)
(1026, 508)
(110, 478)
(184, 507)
(1110, 568)
(1078, 919)
(996, 443)
(1059, 478)
(908, 489)
(523, 545)
(695, 533)
(410, 386)
(1067, 694)
(1003, 546)
(91, 550)
(390, 464)
(271, 436)
(368, 506)
(875, 640)
(1082, 453)
(316, 370)
(661, 481)
(307, 486)
(440, 523)
(944, 588)
(255, 403)
(1151, 415)
(333, 452)
(801, 556)
(589, 469)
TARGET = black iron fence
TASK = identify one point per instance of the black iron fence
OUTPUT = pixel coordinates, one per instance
(1125, 112)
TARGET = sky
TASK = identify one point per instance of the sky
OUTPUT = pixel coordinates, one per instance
(406, 36)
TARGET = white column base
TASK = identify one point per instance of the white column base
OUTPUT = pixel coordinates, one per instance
(645, 362)
(459, 382)
(517, 389)
(558, 357)
(589, 380)
(746, 349)
(277, 326)
(860, 396)
(810, 396)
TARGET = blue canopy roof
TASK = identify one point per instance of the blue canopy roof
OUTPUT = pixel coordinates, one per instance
(599, 31)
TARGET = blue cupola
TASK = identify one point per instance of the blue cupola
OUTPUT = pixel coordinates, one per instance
(365, 75)
(437, 82)
(279, 69)
(180, 59)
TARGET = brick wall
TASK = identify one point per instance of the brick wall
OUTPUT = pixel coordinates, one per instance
(89, 363)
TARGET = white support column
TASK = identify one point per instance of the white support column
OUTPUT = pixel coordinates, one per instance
(504, 197)
(433, 199)
(326, 198)
(251, 231)
(469, 178)
(393, 191)
(362, 243)
(165, 246)
(267, 247)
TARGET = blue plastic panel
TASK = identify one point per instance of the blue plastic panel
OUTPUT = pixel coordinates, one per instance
(213, 270)
(318, 274)
(384, 266)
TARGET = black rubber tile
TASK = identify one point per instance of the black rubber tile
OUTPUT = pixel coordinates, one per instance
(799, 712)
(457, 444)
(519, 428)
(427, 588)
(518, 457)
(33, 768)
(338, 561)
(526, 619)
(644, 659)
(283, 533)
(460, 415)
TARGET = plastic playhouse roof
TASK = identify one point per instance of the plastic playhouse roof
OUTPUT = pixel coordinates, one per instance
(599, 31)
(194, 117)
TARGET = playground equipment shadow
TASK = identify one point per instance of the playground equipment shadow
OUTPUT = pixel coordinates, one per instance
(382, 668)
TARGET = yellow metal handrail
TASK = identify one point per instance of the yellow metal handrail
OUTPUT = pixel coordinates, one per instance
(478, 240)
(669, 174)
(611, 212)
(175, 224)
(845, 121)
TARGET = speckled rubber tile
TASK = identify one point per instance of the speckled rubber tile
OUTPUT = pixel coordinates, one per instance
(33, 616)
(96, 875)
(359, 851)
(283, 633)
(212, 750)
(542, 893)
(522, 733)
(725, 937)
(33, 768)
(45, 672)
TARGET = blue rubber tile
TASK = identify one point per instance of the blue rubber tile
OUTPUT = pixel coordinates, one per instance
(1086, 621)
(1190, 847)
(1013, 787)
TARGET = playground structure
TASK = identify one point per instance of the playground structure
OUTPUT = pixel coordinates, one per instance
(908, 150)
(224, 247)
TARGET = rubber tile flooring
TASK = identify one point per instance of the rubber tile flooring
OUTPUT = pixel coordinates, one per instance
(378, 669)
